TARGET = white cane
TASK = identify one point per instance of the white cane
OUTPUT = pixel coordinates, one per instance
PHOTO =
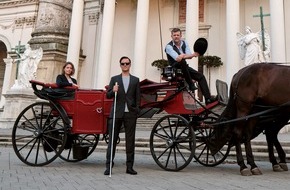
(113, 131)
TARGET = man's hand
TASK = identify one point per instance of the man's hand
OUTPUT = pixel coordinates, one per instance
(195, 54)
(186, 56)
(115, 88)
(180, 57)
(75, 85)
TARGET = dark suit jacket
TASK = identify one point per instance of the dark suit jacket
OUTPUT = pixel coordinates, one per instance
(132, 97)
(62, 81)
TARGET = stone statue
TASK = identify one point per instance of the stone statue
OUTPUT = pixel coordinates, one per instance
(28, 65)
(251, 48)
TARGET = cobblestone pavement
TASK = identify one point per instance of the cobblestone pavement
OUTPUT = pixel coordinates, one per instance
(88, 174)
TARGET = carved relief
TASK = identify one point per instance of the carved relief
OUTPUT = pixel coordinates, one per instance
(20, 22)
(94, 17)
(45, 18)
(7, 4)
(53, 22)
(53, 16)
(63, 3)
(24, 21)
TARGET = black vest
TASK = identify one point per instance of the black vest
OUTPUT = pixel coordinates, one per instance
(171, 61)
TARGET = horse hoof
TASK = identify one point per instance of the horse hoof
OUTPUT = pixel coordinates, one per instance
(283, 166)
(256, 171)
(277, 168)
(246, 172)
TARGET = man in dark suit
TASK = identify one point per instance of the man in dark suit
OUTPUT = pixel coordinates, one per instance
(127, 109)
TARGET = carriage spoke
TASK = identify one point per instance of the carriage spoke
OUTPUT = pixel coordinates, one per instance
(181, 152)
(175, 160)
(163, 153)
(168, 157)
(25, 145)
(30, 150)
(35, 116)
(37, 152)
(161, 136)
(185, 147)
(163, 129)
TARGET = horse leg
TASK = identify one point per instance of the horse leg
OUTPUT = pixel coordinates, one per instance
(282, 155)
(250, 159)
(272, 141)
(243, 168)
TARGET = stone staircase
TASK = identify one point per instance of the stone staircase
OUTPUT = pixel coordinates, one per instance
(145, 125)
(260, 150)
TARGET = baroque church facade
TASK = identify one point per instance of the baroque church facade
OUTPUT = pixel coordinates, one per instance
(94, 34)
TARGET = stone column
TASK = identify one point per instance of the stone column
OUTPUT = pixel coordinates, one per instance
(141, 31)
(52, 25)
(7, 79)
(105, 53)
(278, 46)
(232, 27)
(192, 23)
(75, 34)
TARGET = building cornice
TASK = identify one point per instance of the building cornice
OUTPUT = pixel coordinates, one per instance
(14, 3)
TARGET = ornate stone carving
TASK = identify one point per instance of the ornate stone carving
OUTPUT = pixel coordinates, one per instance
(27, 21)
(53, 22)
(94, 17)
(7, 4)
(20, 22)
(52, 16)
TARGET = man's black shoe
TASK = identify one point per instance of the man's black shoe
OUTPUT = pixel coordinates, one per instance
(210, 100)
(131, 171)
(107, 171)
(192, 87)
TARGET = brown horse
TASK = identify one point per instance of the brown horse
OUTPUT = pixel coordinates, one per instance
(259, 101)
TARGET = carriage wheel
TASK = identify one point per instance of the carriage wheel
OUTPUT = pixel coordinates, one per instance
(79, 146)
(172, 143)
(39, 134)
(202, 151)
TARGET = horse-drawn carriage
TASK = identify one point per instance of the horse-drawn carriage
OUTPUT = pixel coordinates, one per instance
(69, 122)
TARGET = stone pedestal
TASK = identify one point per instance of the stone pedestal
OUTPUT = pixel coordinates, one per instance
(16, 101)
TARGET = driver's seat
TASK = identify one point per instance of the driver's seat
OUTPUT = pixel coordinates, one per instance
(171, 74)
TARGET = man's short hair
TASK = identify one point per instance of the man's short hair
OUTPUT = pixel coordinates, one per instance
(124, 57)
(175, 30)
